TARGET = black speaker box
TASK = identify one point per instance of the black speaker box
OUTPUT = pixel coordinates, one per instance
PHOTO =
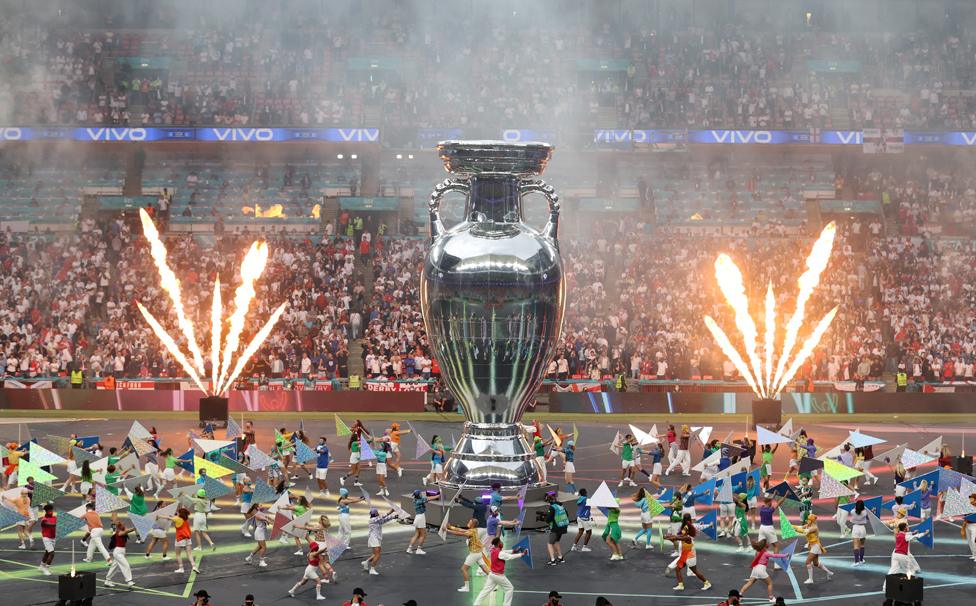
(76, 588)
(900, 588)
(767, 412)
(963, 465)
(213, 409)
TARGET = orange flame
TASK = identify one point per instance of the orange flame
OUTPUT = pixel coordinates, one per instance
(251, 269)
(730, 352)
(730, 281)
(253, 346)
(808, 347)
(171, 284)
(216, 324)
(171, 346)
(770, 333)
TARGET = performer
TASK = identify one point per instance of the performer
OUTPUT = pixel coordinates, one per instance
(766, 529)
(627, 464)
(200, 506)
(841, 514)
(95, 531)
(902, 561)
(858, 519)
(539, 446)
(759, 572)
(672, 437)
(169, 471)
(686, 536)
(611, 533)
(968, 529)
(475, 548)
(395, 433)
(656, 452)
(925, 501)
(322, 466)
(261, 517)
(584, 522)
(569, 468)
(641, 499)
(766, 464)
(74, 475)
(863, 464)
(382, 454)
(21, 504)
(416, 545)
(354, 455)
(683, 459)
(316, 564)
(741, 521)
(157, 533)
(438, 454)
(345, 526)
(375, 541)
(497, 578)
(183, 532)
(49, 524)
(119, 561)
(815, 548)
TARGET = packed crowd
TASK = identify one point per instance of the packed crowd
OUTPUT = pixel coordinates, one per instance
(635, 303)
(306, 68)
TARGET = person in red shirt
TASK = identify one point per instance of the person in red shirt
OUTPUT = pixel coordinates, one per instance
(49, 525)
(496, 578)
(358, 598)
(315, 564)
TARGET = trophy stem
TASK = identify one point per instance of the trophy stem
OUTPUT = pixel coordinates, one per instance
(492, 452)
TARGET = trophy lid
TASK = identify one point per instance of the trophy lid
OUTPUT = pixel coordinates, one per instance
(481, 157)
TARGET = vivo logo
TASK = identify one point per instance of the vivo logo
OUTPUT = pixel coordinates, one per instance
(850, 137)
(11, 134)
(742, 136)
(609, 136)
(116, 134)
(969, 138)
(243, 134)
(359, 134)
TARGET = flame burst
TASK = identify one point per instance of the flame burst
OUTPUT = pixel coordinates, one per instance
(222, 377)
(760, 377)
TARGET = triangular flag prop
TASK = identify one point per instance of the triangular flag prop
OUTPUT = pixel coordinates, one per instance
(521, 496)
(931, 478)
(912, 502)
(213, 470)
(66, 524)
(966, 488)
(56, 444)
(704, 493)
(832, 489)
(783, 489)
(524, 545)
(928, 539)
(911, 458)
(257, 458)
(725, 492)
(142, 524)
(422, 446)
(519, 521)
(839, 471)
(86, 441)
(933, 448)
(706, 524)
(233, 465)
(187, 490)
(212, 445)
(9, 517)
(400, 511)
(874, 504)
(138, 431)
(702, 433)
(575, 434)
(44, 494)
(42, 457)
(654, 507)
(263, 493)
(711, 460)
(128, 463)
(142, 447)
(336, 552)
(764, 436)
(557, 438)
(862, 440)
(786, 429)
(442, 530)
(367, 498)
(786, 530)
(341, 428)
(280, 520)
(784, 563)
(234, 430)
(164, 515)
(185, 460)
(615, 445)
(956, 505)
(215, 488)
(733, 469)
(27, 469)
(643, 438)
(809, 465)
(892, 455)
(106, 502)
(365, 452)
(82, 455)
(281, 502)
(304, 454)
(877, 526)
(302, 520)
(950, 478)
(603, 497)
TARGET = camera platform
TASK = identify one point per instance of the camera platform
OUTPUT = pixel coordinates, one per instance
(535, 505)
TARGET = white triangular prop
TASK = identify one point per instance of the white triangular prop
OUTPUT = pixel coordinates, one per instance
(732, 470)
(702, 433)
(911, 459)
(212, 445)
(711, 460)
(301, 520)
(603, 497)
(138, 431)
(933, 448)
(956, 505)
(615, 445)
(42, 457)
(725, 492)
(831, 488)
(862, 440)
(879, 527)
(764, 436)
(966, 488)
(786, 429)
(128, 464)
(643, 438)
(282, 501)
(833, 453)
(100, 465)
(892, 455)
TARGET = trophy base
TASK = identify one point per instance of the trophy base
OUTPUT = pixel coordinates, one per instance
(535, 506)
(489, 453)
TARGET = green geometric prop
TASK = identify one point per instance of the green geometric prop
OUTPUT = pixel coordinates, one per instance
(44, 494)
(27, 469)
(67, 524)
(786, 530)
(215, 488)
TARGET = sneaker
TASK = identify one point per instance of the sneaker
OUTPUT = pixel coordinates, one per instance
(22, 546)
(560, 561)
(130, 583)
(573, 547)
(739, 549)
(179, 571)
(328, 493)
(409, 549)
(632, 483)
(706, 586)
(147, 556)
(246, 534)
(399, 472)
(319, 597)
(165, 556)
(342, 480)
(772, 600)
(299, 552)
(425, 480)
(372, 571)
(365, 564)
(679, 587)
(380, 493)
(419, 551)
(213, 547)
(620, 484)
(291, 592)
(214, 508)
(830, 575)
(551, 563)
(46, 571)
(197, 548)
(584, 548)
(86, 560)
(648, 546)
(357, 483)
(195, 569)
(248, 558)
(674, 554)
(83, 543)
(464, 589)
(808, 582)
(262, 564)
(109, 584)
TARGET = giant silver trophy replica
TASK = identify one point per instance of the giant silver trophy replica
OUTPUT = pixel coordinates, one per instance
(492, 296)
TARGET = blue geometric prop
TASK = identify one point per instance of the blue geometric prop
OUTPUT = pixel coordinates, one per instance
(185, 461)
(142, 524)
(67, 524)
(784, 564)
(783, 489)
(233, 429)
(304, 454)
(215, 488)
(706, 524)
(9, 517)
(931, 477)
(929, 539)
(365, 452)
(704, 493)
(524, 544)
(263, 493)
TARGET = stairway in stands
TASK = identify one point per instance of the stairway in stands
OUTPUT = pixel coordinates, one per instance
(363, 273)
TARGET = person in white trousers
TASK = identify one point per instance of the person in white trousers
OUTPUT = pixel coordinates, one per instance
(496, 578)
(683, 459)
(119, 562)
(95, 530)
(969, 528)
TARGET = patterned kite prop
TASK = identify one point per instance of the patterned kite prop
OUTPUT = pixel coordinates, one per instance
(66, 524)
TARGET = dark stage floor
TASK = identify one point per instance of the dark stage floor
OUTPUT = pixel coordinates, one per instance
(433, 578)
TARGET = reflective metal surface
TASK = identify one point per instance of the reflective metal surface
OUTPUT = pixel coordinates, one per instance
(492, 296)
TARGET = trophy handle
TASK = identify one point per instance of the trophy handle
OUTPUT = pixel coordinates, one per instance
(551, 229)
(434, 206)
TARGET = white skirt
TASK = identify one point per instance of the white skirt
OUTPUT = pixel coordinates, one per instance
(381, 469)
(570, 467)
(858, 531)
(646, 517)
(759, 572)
